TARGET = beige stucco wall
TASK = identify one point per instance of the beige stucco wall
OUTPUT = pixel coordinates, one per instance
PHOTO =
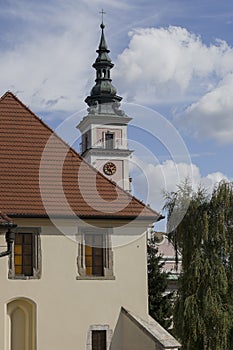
(66, 307)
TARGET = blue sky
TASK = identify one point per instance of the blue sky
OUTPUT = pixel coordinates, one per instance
(171, 57)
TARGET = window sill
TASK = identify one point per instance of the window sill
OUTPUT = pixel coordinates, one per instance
(23, 278)
(100, 278)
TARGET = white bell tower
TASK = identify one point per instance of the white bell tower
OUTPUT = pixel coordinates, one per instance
(104, 130)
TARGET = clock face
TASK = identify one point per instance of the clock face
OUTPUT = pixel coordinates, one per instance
(109, 168)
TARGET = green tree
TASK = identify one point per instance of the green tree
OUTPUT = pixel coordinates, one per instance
(160, 304)
(203, 315)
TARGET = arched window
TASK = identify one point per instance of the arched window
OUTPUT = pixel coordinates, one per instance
(21, 327)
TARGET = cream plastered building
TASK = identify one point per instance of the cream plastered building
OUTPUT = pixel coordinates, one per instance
(60, 309)
(76, 277)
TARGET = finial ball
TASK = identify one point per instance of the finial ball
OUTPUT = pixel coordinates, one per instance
(102, 14)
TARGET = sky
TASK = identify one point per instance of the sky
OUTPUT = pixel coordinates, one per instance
(173, 67)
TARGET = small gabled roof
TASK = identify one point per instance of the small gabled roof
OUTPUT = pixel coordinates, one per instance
(41, 175)
(152, 329)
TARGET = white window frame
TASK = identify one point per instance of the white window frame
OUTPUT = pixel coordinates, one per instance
(108, 254)
(99, 327)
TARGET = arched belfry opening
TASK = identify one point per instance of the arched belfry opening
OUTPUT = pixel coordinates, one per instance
(21, 326)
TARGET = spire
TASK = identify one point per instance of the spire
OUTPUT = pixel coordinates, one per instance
(102, 45)
(103, 91)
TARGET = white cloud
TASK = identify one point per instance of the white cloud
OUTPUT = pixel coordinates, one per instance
(164, 64)
(151, 181)
(172, 65)
(48, 51)
(48, 64)
(48, 69)
(212, 115)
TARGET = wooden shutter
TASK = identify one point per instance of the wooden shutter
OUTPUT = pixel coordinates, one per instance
(23, 254)
(99, 340)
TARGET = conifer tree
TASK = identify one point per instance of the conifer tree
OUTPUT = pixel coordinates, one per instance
(203, 317)
(160, 304)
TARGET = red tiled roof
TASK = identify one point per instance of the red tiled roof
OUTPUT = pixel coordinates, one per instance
(36, 180)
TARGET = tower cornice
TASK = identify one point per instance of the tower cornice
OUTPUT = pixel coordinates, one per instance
(102, 120)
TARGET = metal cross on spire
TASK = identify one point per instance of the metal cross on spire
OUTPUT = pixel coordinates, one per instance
(102, 15)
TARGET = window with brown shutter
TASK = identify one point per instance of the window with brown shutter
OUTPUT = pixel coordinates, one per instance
(26, 257)
(94, 255)
(23, 254)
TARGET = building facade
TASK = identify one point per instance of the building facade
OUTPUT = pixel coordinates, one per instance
(76, 277)
(172, 261)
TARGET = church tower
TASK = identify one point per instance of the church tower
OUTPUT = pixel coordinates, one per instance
(104, 130)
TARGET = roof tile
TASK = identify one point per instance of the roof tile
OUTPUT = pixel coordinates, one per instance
(40, 175)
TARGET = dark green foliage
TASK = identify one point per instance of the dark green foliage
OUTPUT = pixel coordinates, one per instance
(203, 317)
(160, 305)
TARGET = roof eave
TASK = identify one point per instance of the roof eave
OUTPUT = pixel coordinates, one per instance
(85, 217)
